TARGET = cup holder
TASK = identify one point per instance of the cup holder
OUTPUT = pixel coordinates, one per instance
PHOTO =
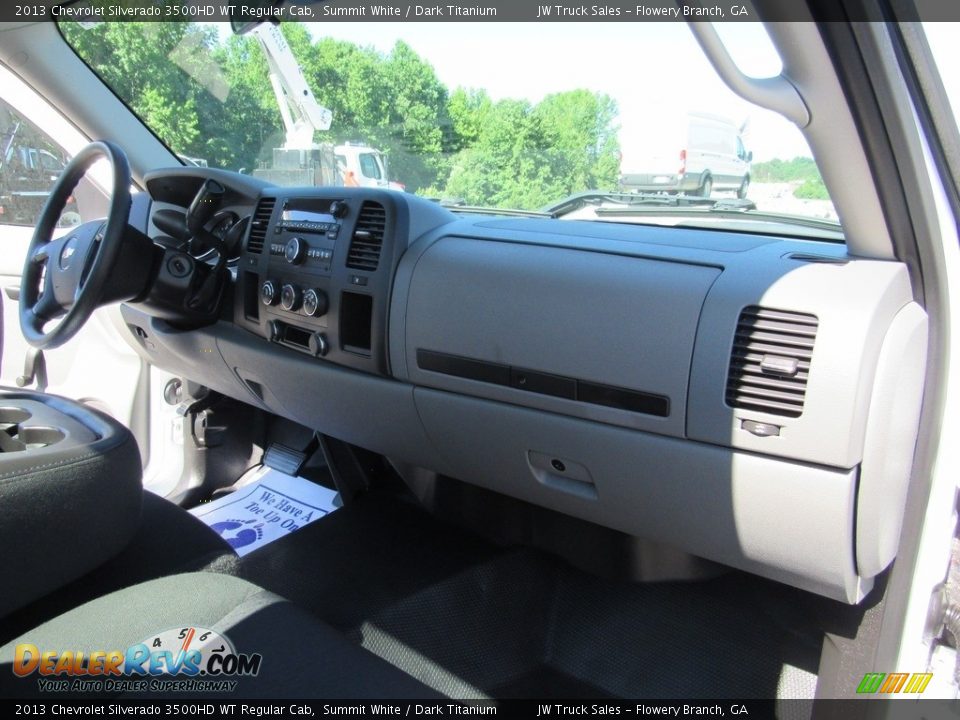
(39, 437)
(11, 416)
(17, 437)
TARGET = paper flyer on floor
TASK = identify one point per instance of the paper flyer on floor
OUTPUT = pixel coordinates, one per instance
(272, 506)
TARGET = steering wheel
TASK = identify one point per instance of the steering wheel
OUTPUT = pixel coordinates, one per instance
(67, 277)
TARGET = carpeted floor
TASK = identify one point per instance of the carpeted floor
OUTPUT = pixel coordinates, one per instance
(474, 620)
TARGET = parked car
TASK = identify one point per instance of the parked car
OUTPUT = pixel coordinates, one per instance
(26, 176)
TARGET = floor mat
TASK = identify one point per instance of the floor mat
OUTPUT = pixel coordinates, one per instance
(363, 558)
(522, 624)
(475, 621)
(270, 505)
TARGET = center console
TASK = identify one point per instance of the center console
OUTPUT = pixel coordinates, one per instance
(316, 270)
(70, 491)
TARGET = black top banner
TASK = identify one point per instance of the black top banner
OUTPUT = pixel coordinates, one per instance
(536, 709)
(531, 11)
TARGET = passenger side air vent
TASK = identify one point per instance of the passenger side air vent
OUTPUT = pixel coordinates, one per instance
(771, 361)
(367, 241)
(258, 226)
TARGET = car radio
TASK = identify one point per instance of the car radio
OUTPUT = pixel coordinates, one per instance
(306, 232)
(316, 269)
(320, 216)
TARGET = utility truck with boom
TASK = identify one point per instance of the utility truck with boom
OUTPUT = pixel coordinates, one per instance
(301, 160)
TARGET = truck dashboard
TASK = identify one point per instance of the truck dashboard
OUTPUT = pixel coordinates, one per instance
(736, 396)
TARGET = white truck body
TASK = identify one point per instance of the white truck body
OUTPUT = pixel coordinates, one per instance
(696, 153)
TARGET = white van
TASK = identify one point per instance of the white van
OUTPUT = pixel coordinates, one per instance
(697, 154)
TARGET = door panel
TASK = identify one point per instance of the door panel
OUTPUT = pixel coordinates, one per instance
(96, 366)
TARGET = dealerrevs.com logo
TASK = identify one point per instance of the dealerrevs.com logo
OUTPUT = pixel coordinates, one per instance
(190, 659)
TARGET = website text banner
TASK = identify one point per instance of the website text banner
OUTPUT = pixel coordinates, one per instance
(219, 705)
(531, 11)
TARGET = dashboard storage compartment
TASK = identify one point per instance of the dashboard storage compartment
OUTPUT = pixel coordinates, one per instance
(595, 335)
(788, 521)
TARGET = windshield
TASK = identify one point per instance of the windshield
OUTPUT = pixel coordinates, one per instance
(478, 115)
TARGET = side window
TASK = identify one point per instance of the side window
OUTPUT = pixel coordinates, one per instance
(30, 163)
(50, 163)
(369, 166)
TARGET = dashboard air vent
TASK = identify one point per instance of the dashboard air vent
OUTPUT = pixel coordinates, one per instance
(258, 226)
(367, 241)
(771, 361)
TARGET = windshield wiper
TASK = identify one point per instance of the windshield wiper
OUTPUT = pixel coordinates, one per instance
(638, 201)
(461, 207)
(625, 205)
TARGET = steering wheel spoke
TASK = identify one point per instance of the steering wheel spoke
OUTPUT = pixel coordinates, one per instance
(46, 307)
(41, 254)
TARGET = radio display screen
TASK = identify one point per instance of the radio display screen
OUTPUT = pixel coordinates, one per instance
(291, 215)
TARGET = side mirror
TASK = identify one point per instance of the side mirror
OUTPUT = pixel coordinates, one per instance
(241, 27)
(247, 14)
(749, 156)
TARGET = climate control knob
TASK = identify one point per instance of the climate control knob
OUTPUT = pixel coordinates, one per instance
(295, 251)
(268, 293)
(315, 303)
(290, 297)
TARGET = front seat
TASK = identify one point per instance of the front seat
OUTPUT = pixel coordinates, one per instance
(76, 524)
(76, 521)
(73, 518)
(70, 508)
(301, 657)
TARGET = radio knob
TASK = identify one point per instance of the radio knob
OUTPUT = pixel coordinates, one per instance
(268, 293)
(339, 209)
(319, 345)
(295, 250)
(315, 303)
(290, 297)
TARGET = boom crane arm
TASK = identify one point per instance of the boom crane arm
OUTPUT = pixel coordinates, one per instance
(302, 114)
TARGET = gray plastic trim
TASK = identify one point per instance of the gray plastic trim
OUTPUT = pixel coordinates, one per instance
(360, 408)
(855, 304)
(192, 354)
(625, 322)
(788, 521)
(833, 137)
(775, 93)
(891, 435)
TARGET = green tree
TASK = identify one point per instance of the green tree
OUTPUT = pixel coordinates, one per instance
(526, 156)
(168, 75)
(801, 170)
(468, 110)
(777, 170)
(578, 128)
(213, 99)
